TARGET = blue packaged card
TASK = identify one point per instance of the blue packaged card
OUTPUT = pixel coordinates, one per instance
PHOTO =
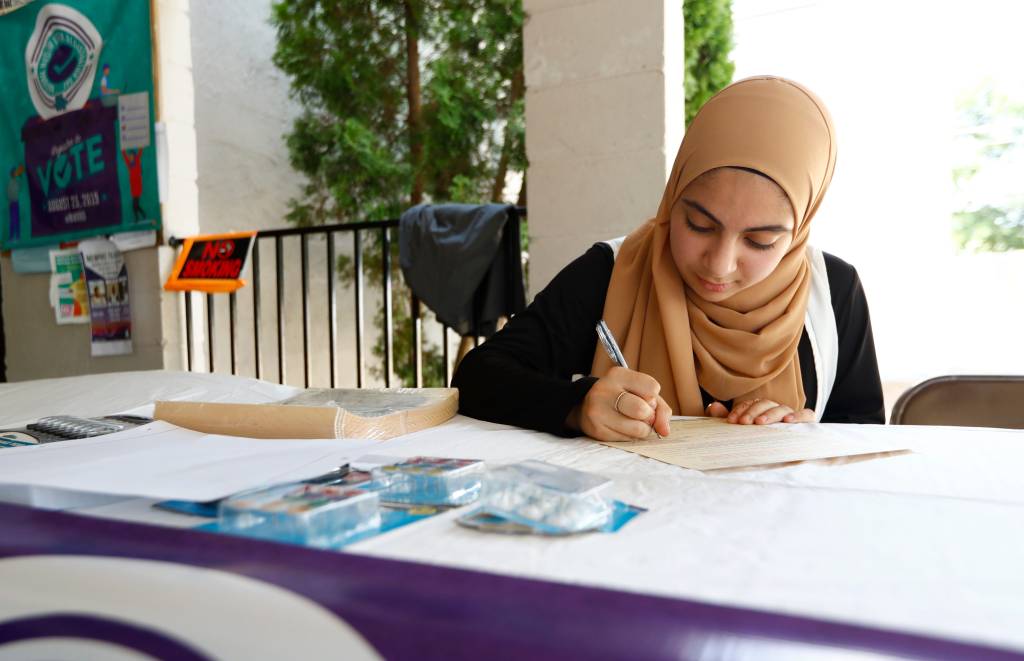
(430, 481)
(310, 514)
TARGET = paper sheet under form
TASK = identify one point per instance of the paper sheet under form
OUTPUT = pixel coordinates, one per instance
(712, 443)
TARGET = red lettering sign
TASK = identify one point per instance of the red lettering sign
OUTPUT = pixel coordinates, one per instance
(211, 263)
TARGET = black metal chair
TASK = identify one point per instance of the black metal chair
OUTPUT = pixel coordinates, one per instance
(963, 401)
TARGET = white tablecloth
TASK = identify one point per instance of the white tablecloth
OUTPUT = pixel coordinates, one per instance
(929, 542)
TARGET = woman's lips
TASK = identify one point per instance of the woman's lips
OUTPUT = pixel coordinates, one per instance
(713, 286)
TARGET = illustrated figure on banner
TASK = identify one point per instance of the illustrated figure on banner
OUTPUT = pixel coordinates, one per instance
(105, 88)
(133, 160)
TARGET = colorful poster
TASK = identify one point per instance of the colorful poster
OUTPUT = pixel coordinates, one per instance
(107, 279)
(69, 295)
(76, 123)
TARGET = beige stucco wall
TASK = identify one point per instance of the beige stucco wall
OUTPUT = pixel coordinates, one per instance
(604, 111)
(242, 112)
(38, 348)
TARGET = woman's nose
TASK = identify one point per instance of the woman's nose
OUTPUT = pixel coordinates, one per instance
(721, 259)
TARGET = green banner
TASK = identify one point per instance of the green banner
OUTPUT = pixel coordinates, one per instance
(77, 144)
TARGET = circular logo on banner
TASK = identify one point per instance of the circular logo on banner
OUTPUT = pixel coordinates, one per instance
(61, 60)
(128, 609)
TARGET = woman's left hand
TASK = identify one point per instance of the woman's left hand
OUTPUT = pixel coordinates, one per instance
(759, 412)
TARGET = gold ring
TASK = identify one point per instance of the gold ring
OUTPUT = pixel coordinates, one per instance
(617, 403)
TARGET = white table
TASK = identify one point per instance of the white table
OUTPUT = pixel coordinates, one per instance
(928, 542)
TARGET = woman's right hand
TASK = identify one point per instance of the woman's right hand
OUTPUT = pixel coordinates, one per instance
(623, 405)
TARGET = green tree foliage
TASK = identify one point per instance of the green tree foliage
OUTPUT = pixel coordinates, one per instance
(403, 101)
(707, 41)
(990, 148)
(990, 229)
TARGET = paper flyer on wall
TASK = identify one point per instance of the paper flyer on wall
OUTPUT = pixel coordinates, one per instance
(107, 278)
(68, 293)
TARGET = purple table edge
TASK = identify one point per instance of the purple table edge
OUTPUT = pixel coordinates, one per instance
(455, 613)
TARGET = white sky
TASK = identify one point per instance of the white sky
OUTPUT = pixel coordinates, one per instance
(890, 72)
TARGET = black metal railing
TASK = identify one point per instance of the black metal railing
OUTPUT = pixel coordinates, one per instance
(383, 229)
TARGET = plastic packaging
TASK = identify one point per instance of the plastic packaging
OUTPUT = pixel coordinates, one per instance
(311, 514)
(320, 413)
(550, 498)
(430, 481)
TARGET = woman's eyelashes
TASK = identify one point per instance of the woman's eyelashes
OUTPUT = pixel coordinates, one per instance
(698, 228)
(701, 229)
(759, 246)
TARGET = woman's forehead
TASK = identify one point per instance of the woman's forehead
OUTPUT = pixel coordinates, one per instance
(733, 187)
(741, 196)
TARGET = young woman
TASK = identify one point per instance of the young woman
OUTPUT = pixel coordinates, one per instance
(720, 306)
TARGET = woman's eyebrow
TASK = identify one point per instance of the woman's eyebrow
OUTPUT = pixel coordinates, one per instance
(763, 228)
(700, 207)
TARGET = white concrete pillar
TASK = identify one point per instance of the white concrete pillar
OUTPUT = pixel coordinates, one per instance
(604, 116)
(176, 99)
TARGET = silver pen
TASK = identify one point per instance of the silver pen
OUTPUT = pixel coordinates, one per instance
(610, 345)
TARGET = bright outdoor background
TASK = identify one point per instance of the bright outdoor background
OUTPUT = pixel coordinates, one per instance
(918, 91)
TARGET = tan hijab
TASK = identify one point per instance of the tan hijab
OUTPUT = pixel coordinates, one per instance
(745, 346)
